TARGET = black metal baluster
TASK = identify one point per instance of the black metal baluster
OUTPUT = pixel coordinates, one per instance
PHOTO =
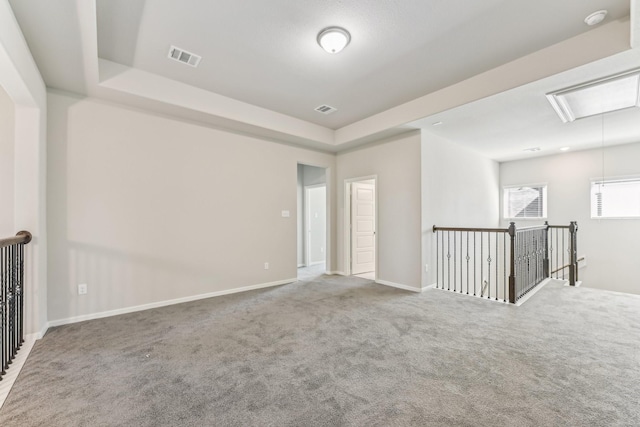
(461, 261)
(481, 264)
(489, 265)
(504, 266)
(563, 250)
(442, 242)
(3, 298)
(520, 275)
(557, 253)
(475, 269)
(455, 282)
(529, 260)
(437, 258)
(21, 294)
(497, 265)
(12, 305)
(448, 261)
(468, 263)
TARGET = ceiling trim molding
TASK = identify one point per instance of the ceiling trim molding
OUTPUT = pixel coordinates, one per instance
(152, 86)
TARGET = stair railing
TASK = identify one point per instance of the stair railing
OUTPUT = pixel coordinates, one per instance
(11, 297)
(503, 263)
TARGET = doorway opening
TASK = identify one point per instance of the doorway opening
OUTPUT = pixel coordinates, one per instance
(361, 227)
(312, 221)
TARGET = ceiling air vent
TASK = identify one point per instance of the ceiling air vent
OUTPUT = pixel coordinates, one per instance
(325, 109)
(183, 56)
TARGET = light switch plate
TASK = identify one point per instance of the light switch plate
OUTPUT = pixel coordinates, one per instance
(286, 214)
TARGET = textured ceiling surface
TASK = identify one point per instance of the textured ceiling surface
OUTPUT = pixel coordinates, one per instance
(265, 52)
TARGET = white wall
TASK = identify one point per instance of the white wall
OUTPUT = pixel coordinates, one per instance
(145, 209)
(7, 117)
(396, 163)
(459, 189)
(313, 175)
(612, 246)
(22, 82)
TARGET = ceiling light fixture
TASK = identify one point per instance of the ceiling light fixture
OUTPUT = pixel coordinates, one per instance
(334, 39)
(532, 150)
(596, 17)
(436, 124)
(612, 93)
(565, 148)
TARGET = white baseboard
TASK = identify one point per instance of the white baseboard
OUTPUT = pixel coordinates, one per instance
(533, 291)
(158, 304)
(301, 265)
(12, 373)
(398, 285)
(578, 283)
(432, 286)
(336, 273)
(38, 335)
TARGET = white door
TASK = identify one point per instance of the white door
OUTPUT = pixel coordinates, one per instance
(363, 222)
(316, 220)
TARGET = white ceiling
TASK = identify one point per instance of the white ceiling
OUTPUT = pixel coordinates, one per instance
(265, 52)
(504, 125)
(263, 73)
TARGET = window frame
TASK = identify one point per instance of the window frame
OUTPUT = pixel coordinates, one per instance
(545, 201)
(610, 180)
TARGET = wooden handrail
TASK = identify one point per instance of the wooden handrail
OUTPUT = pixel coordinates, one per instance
(566, 266)
(22, 237)
(488, 230)
(533, 227)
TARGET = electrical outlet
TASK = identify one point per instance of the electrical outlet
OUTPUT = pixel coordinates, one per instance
(82, 289)
(266, 265)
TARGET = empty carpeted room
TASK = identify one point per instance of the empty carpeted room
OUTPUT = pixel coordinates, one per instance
(442, 231)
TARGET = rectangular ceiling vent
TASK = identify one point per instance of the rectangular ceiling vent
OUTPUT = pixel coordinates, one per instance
(183, 56)
(326, 109)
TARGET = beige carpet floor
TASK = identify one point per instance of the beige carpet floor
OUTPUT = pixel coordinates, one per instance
(334, 351)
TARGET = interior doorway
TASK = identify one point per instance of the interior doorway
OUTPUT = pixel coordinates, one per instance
(361, 232)
(312, 221)
(315, 219)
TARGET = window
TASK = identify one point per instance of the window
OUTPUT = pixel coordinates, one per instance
(615, 198)
(525, 202)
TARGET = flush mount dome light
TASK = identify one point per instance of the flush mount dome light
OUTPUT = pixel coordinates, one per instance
(595, 18)
(334, 39)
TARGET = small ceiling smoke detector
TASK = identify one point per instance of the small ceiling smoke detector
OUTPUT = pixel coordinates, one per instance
(532, 150)
(596, 17)
(183, 56)
(326, 109)
(334, 39)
